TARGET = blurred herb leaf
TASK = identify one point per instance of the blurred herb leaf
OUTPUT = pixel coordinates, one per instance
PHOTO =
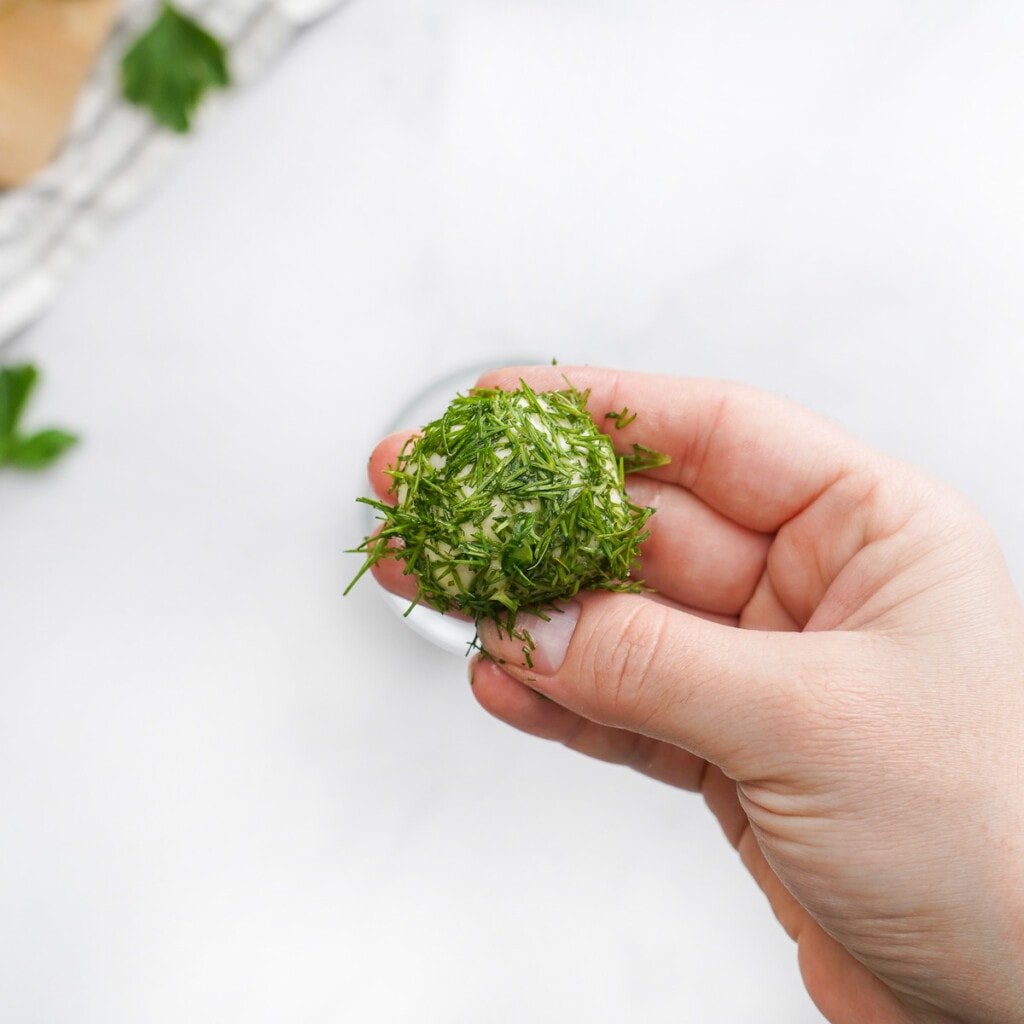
(31, 451)
(171, 66)
(39, 450)
(16, 384)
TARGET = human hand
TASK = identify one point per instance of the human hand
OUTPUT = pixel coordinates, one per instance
(834, 658)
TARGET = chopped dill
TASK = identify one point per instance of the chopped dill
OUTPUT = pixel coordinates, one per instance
(622, 419)
(644, 458)
(511, 501)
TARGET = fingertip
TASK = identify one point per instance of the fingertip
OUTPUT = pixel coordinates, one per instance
(390, 574)
(495, 690)
(383, 458)
(514, 702)
(508, 377)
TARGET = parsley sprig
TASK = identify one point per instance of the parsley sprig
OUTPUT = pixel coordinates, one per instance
(25, 451)
(171, 67)
(510, 502)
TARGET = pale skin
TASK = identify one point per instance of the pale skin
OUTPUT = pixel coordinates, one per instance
(834, 658)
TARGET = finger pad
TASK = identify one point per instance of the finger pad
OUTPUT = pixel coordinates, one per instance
(388, 572)
(515, 703)
(383, 458)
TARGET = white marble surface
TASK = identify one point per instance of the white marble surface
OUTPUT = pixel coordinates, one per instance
(227, 794)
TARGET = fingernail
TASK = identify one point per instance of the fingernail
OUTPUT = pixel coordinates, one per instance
(550, 639)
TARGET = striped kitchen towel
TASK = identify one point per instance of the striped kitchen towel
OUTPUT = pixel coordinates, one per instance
(114, 152)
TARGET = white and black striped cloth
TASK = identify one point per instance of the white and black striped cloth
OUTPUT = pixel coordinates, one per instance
(115, 152)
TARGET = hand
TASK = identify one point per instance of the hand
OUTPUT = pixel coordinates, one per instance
(834, 658)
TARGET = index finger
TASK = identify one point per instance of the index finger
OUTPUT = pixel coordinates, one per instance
(757, 458)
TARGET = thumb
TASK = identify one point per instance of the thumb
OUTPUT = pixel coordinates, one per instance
(743, 699)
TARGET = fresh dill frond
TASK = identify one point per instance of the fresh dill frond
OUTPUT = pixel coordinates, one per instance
(511, 501)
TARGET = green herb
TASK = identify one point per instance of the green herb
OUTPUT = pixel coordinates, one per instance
(26, 451)
(511, 501)
(171, 66)
(529, 646)
(644, 458)
(622, 419)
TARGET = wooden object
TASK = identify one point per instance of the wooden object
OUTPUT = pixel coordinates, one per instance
(46, 49)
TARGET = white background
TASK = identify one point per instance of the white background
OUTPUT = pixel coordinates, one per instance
(226, 794)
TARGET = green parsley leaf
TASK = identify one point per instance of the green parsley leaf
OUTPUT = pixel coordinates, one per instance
(32, 451)
(16, 384)
(39, 450)
(171, 66)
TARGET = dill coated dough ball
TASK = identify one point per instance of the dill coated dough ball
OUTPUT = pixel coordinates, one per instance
(511, 500)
